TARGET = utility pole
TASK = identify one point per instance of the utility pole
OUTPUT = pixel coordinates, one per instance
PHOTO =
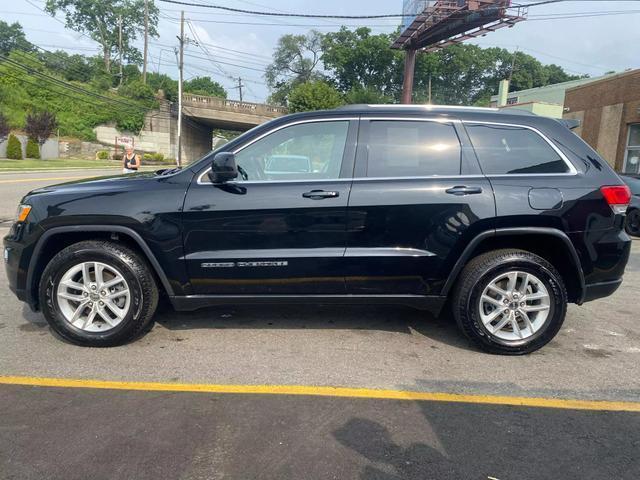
(240, 85)
(513, 66)
(429, 89)
(180, 65)
(146, 40)
(409, 69)
(120, 45)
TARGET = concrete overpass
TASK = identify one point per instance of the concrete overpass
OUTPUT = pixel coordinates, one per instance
(201, 115)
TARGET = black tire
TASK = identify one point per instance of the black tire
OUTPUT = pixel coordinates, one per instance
(632, 223)
(135, 270)
(475, 277)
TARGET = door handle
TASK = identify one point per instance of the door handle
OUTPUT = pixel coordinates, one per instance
(463, 190)
(320, 194)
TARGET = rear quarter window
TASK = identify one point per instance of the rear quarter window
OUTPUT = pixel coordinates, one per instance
(504, 150)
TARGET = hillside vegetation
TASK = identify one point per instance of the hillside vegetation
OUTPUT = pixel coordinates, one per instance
(78, 89)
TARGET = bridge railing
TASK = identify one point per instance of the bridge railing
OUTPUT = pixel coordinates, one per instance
(233, 105)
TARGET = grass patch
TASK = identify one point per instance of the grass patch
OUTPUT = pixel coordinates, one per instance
(55, 164)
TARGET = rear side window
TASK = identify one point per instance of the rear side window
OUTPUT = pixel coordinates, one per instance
(399, 148)
(513, 150)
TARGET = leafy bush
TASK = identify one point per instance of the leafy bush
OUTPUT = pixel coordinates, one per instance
(33, 149)
(137, 91)
(128, 121)
(102, 155)
(117, 156)
(14, 148)
(153, 157)
(316, 95)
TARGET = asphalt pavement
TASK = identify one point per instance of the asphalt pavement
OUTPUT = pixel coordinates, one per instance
(89, 433)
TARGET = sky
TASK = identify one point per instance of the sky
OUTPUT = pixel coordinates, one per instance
(587, 45)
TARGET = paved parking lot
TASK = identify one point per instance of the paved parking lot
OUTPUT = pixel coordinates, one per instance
(68, 433)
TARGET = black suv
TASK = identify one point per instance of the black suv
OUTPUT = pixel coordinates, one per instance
(503, 217)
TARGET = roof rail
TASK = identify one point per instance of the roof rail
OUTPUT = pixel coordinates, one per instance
(425, 106)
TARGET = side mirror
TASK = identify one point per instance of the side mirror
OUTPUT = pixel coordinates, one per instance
(223, 168)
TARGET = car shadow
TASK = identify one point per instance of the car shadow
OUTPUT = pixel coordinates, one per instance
(386, 318)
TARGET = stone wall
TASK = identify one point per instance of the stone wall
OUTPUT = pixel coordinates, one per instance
(155, 136)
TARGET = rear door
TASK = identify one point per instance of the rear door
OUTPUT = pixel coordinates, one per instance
(418, 197)
(281, 229)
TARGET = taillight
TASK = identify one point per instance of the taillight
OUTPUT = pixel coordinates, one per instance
(617, 196)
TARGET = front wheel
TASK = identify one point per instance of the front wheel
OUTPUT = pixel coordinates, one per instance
(510, 302)
(98, 294)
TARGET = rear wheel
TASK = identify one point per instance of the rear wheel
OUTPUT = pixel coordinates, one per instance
(98, 294)
(632, 224)
(510, 301)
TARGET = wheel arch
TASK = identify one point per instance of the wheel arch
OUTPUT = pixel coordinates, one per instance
(54, 239)
(550, 243)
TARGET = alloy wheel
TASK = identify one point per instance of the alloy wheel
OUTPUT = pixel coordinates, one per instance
(93, 296)
(514, 306)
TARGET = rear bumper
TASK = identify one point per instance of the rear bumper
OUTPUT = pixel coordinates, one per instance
(599, 290)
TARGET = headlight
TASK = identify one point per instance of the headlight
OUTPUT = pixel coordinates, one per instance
(23, 212)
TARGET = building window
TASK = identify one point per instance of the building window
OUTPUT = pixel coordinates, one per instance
(512, 100)
(632, 154)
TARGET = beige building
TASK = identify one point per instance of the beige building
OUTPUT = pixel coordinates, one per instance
(547, 101)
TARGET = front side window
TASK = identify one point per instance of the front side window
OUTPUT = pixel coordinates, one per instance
(305, 151)
(505, 149)
(405, 148)
(632, 154)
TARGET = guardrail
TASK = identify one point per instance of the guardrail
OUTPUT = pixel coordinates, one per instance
(232, 105)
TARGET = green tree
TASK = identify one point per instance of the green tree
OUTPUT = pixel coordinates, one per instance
(14, 148)
(204, 86)
(4, 128)
(367, 95)
(12, 38)
(138, 91)
(33, 149)
(295, 61)
(39, 126)
(100, 20)
(75, 67)
(314, 95)
(161, 81)
(359, 60)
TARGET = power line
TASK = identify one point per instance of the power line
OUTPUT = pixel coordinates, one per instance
(280, 14)
(123, 104)
(375, 16)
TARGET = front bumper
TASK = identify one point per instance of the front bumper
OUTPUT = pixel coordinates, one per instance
(16, 263)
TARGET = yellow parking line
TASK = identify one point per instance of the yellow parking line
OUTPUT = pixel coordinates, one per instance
(26, 180)
(539, 402)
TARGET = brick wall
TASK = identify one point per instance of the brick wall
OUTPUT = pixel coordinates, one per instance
(606, 108)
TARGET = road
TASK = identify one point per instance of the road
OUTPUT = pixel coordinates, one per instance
(106, 433)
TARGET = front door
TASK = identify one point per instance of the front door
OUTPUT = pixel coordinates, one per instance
(418, 197)
(281, 228)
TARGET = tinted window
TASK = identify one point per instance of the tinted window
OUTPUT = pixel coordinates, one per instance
(299, 152)
(503, 150)
(633, 183)
(412, 148)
